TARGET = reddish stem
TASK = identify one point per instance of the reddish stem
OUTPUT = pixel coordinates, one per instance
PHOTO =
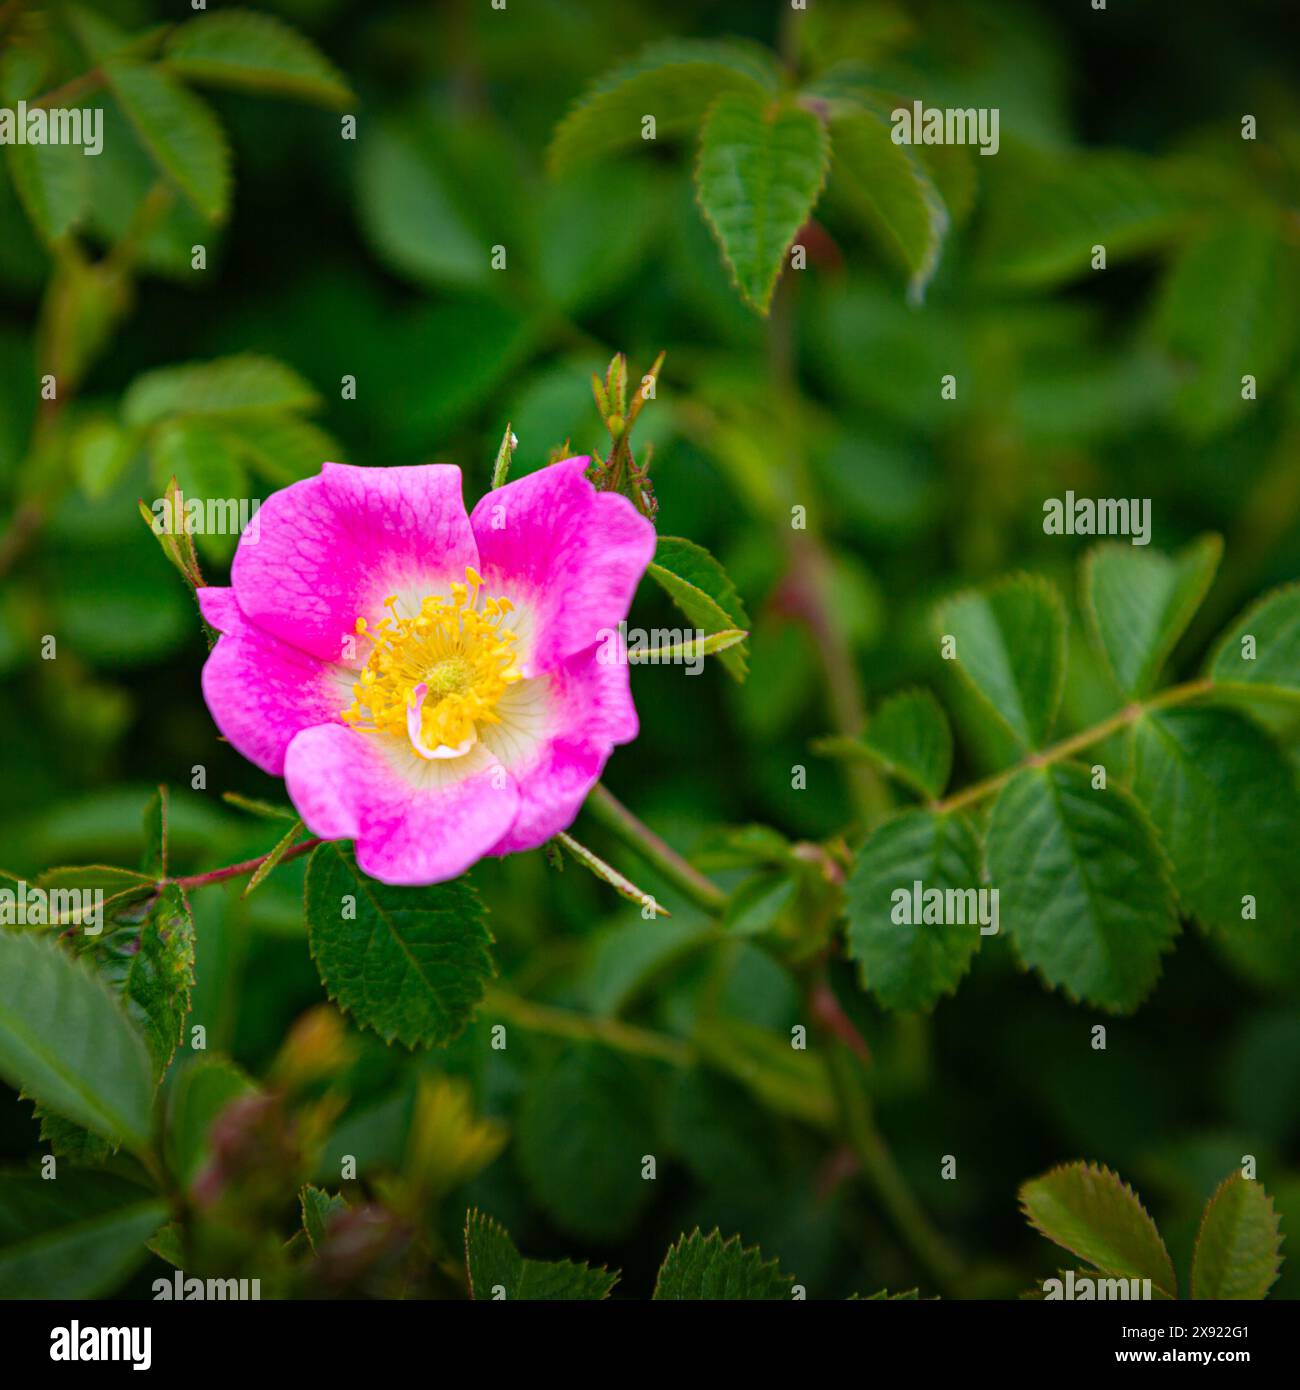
(247, 867)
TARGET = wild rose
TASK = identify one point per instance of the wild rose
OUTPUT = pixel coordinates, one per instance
(428, 682)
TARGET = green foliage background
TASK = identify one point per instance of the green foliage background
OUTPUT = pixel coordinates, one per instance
(373, 259)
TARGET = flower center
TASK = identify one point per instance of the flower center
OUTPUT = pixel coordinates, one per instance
(434, 676)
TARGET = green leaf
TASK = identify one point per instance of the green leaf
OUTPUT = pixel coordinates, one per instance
(153, 863)
(167, 1242)
(318, 1209)
(1224, 800)
(282, 847)
(101, 451)
(760, 903)
(1239, 1249)
(910, 965)
(498, 1271)
(76, 1237)
(890, 189)
(1139, 603)
(910, 739)
(1268, 664)
(1088, 1211)
(702, 589)
(203, 1088)
(281, 449)
(1084, 886)
(583, 1129)
(760, 170)
(688, 650)
(1218, 317)
(1011, 648)
(53, 185)
(253, 52)
(120, 887)
(228, 386)
(179, 131)
(409, 963)
(674, 82)
(708, 1267)
(66, 1043)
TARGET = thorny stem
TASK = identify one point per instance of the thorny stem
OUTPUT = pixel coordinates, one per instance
(660, 855)
(977, 791)
(247, 867)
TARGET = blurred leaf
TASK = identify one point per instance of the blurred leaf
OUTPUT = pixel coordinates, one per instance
(78, 1237)
(409, 963)
(1239, 1248)
(101, 452)
(701, 588)
(1271, 665)
(909, 738)
(708, 1267)
(1139, 603)
(890, 189)
(201, 1091)
(53, 183)
(65, 1042)
(119, 887)
(246, 384)
(1088, 1211)
(1084, 885)
(911, 965)
(253, 52)
(583, 1129)
(673, 81)
(179, 131)
(318, 1209)
(1011, 648)
(281, 449)
(759, 173)
(497, 1270)
(759, 904)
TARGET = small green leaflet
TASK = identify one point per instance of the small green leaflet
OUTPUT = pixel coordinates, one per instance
(909, 738)
(701, 588)
(1261, 650)
(246, 384)
(498, 1271)
(1239, 1248)
(622, 885)
(1139, 603)
(760, 170)
(319, 1208)
(1011, 648)
(99, 1075)
(1088, 1211)
(409, 963)
(676, 80)
(1084, 885)
(910, 965)
(77, 1237)
(708, 1267)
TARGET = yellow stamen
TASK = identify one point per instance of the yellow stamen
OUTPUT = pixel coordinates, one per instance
(453, 647)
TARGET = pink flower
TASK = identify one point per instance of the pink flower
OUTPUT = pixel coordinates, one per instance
(429, 683)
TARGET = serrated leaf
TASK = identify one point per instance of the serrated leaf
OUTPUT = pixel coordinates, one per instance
(1011, 648)
(672, 81)
(246, 384)
(53, 184)
(120, 887)
(77, 1237)
(498, 1271)
(909, 738)
(891, 190)
(708, 1267)
(1218, 317)
(1139, 603)
(1270, 663)
(1084, 885)
(760, 170)
(607, 873)
(318, 1209)
(911, 964)
(703, 590)
(179, 131)
(1239, 1249)
(583, 1129)
(413, 963)
(281, 848)
(66, 1043)
(201, 1091)
(253, 52)
(1224, 800)
(884, 1296)
(153, 863)
(1088, 1211)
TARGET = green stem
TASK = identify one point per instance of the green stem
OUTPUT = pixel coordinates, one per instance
(1067, 747)
(564, 1023)
(660, 855)
(925, 1242)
